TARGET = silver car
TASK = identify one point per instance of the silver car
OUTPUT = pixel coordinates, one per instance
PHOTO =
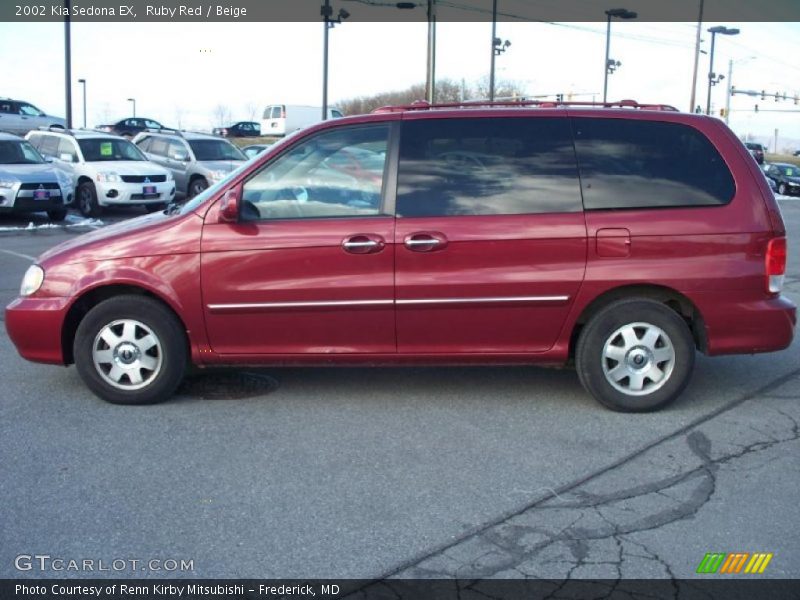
(196, 160)
(28, 183)
(19, 117)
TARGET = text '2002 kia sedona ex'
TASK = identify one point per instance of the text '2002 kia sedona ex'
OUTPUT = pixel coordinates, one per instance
(623, 238)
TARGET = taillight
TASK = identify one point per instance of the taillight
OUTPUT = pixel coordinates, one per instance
(775, 263)
(283, 113)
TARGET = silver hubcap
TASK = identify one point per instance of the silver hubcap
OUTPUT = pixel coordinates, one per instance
(638, 359)
(86, 200)
(127, 354)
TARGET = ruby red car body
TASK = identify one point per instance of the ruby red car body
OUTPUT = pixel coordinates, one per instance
(284, 292)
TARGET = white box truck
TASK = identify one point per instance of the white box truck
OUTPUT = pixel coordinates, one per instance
(280, 119)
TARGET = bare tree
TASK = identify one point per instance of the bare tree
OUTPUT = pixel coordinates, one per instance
(222, 114)
(251, 110)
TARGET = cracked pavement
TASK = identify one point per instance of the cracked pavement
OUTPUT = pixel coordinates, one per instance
(383, 474)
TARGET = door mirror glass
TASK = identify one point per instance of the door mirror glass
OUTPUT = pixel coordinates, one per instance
(65, 157)
(229, 207)
(180, 156)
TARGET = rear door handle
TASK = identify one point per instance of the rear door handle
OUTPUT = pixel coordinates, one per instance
(363, 243)
(425, 241)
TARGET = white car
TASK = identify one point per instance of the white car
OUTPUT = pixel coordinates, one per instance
(107, 169)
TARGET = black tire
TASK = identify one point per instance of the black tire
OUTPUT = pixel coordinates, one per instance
(196, 185)
(782, 189)
(169, 353)
(151, 208)
(57, 214)
(606, 327)
(86, 197)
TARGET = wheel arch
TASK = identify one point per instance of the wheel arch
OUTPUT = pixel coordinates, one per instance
(670, 297)
(94, 296)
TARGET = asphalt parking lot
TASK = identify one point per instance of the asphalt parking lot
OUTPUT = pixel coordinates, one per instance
(402, 472)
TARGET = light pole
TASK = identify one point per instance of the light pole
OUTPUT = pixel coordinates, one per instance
(713, 79)
(696, 58)
(609, 66)
(83, 83)
(134, 105)
(498, 47)
(328, 23)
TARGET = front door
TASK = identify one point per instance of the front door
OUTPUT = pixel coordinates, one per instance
(309, 268)
(490, 241)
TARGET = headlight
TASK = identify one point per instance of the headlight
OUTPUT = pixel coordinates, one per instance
(108, 177)
(7, 183)
(32, 281)
(217, 175)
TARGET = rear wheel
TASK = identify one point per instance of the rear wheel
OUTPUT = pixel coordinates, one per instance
(131, 350)
(87, 200)
(635, 355)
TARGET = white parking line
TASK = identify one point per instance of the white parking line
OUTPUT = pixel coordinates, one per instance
(20, 255)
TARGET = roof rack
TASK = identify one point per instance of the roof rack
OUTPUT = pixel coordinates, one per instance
(55, 129)
(166, 130)
(522, 103)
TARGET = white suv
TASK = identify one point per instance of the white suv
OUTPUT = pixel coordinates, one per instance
(107, 169)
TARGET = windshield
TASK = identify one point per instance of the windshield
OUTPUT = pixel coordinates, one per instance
(789, 171)
(13, 152)
(215, 150)
(108, 149)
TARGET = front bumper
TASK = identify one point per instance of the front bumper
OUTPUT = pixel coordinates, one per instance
(35, 325)
(121, 193)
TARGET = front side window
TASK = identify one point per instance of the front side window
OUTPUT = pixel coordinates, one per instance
(215, 150)
(152, 124)
(632, 163)
(277, 112)
(13, 152)
(29, 110)
(486, 166)
(335, 174)
(49, 146)
(108, 149)
(66, 150)
(177, 150)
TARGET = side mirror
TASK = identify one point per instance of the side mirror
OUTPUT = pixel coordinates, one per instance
(65, 157)
(180, 156)
(229, 205)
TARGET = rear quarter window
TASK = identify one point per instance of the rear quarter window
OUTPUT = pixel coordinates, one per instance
(630, 163)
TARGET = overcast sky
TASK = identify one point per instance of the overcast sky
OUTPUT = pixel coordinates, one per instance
(179, 72)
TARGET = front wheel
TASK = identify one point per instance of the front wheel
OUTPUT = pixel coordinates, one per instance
(131, 350)
(782, 189)
(57, 214)
(196, 186)
(635, 355)
(87, 200)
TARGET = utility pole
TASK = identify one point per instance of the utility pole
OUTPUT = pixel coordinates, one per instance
(728, 95)
(68, 63)
(696, 58)
(430, 80)
(775, 147)
(494, 37)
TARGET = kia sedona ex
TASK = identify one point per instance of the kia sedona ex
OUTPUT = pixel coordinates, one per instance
(619, 238)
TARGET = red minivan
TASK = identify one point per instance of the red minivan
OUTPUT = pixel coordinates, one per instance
(618, 237)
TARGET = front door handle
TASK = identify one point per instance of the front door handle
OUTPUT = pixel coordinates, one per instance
(425, 241)
(363, 243)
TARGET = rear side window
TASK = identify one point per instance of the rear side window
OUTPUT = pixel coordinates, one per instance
(627, 163)
(487, 166)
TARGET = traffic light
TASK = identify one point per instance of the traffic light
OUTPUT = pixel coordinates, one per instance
(777, 96)
(763, 94)
(722, 112)
(756, 108)
(559, 97)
